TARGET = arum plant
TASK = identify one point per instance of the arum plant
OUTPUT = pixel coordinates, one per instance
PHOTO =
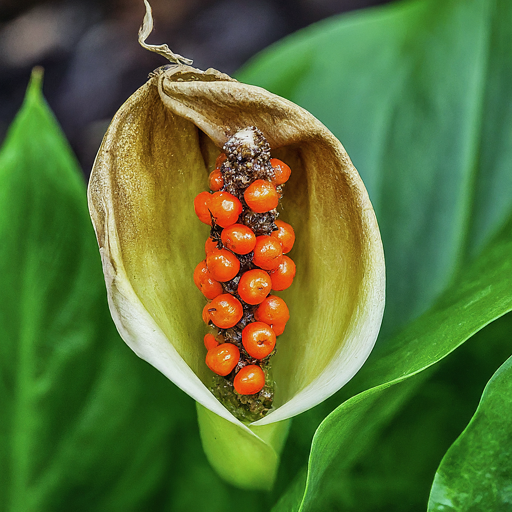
(154, 159)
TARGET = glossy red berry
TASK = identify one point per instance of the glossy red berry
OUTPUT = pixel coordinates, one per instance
(210, 341)
(249, 380)
(273, 310)
(211, 288)
(205, 282)
(268, 252)
(222, 264)
(202, 206)
(254, 286)
(215, 180)
(225, 208)
(285, 235)
(261, 196)
(209, 245)
(282, 276)
(223, 359)
(220, 160)
(238, 238)
(200, 273)
(224, 311)
(206, 314)
(278, 328)
(258, 339)
(281, 171)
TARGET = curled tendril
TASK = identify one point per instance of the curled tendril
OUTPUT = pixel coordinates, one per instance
(161, 49)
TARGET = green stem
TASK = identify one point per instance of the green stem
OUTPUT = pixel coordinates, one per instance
(242, 459)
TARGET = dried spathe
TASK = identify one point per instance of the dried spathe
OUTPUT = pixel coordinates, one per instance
(154, 160)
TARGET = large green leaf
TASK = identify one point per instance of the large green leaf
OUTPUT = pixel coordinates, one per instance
(476, 472)
(395, 468)
(419, 94)
(480, 295)
(84, 424)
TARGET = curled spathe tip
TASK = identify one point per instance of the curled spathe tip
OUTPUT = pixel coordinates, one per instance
(162, 49)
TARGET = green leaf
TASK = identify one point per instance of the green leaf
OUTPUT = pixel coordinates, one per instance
(482, 294)
(84, 424)
(396, 466)
(476, 472)
(419, 95)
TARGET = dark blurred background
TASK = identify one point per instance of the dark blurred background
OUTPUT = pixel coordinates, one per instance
(93, 62)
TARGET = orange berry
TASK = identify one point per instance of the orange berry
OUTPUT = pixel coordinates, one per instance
(224, 311)
(201, 207)
(210, 341)
(278, 328)
(254, 286)
(210, 245)
(273, 310)
(249, 380)
(225, 208)
(238, 238)
(268, 252)
(282, 276)
(209, 287)
(258, 339)
(215, 180)
(285, 235)
(223, 359)
(261, 196)
(200, 273)
(220, 160)
(206, 314)
(281, 171)
(222, 264)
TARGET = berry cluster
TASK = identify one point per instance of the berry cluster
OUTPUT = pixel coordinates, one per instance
(245, 260)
